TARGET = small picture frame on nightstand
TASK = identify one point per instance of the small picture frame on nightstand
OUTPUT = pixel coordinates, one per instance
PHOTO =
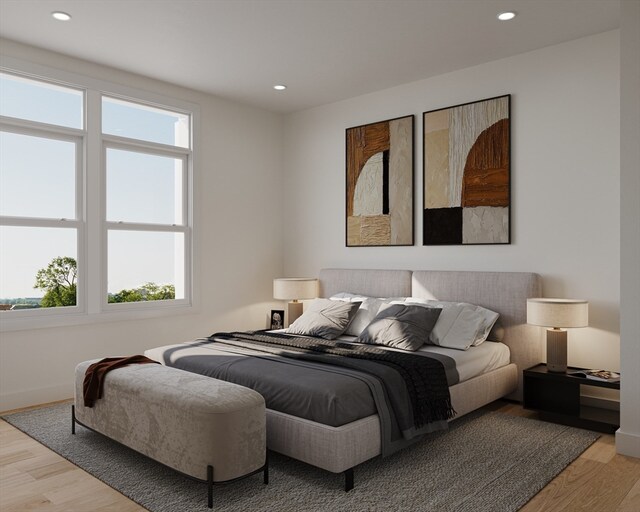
(277, 319)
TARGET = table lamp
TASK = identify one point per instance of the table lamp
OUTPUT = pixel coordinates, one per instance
(294, 289)
(557, 314)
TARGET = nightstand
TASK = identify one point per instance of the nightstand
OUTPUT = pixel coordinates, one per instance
(556, 396)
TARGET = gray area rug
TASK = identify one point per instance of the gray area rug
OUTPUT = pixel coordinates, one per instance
(486, 462)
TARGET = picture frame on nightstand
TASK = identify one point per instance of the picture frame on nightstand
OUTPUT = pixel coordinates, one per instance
(277, 319)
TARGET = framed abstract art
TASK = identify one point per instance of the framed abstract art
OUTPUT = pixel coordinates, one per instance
(379, 183)
(467, 191)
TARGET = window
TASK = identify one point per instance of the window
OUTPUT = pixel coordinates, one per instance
(95, 202)
(40, 193)
(44, 102)
(146, 215)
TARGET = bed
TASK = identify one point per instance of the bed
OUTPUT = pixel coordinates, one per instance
(493, 372)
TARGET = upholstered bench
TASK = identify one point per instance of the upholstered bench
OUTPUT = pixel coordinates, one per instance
(210, 430)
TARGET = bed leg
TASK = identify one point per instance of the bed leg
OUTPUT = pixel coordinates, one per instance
(73, 419)
(210, 486)
(266, 468)
(348, 480)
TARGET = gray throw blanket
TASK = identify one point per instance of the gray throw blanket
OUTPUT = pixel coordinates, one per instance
(411, 391)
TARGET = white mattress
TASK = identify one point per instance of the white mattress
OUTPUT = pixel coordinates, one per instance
(470, 363)
(477, 360)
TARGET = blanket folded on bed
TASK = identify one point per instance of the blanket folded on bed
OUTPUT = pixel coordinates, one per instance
(424, 377)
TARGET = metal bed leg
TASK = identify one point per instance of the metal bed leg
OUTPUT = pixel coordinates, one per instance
(210, 486)
(348, 480)
(73, 419)
(266, 468)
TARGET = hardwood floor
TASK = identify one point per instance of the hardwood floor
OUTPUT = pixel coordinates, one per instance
(599, 480)
(32, 477)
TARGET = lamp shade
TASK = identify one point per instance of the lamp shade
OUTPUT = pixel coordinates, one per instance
(294, 288)
(558, 312)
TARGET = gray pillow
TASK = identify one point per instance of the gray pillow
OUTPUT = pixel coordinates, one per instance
(401, 326)
(325, 318)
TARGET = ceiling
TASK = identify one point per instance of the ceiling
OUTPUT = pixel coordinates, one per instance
(323, 50)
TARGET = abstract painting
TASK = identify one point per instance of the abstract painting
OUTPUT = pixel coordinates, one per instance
(379, 169)
(467, 193)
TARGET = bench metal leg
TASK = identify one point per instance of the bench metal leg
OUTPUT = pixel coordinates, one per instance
(348, 480)
(210, 486)
(73, 419)
(266, 468)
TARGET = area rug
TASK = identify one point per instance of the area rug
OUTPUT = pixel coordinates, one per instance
(485, 462)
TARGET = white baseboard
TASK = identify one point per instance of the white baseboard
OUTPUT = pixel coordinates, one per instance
(30, 397)
(628, 443)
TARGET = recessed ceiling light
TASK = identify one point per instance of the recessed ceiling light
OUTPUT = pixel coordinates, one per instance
(506, 16)
(61, 16)
(279, 87)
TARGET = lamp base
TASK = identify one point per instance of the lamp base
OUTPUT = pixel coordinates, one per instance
(556, 350)
(294, 310)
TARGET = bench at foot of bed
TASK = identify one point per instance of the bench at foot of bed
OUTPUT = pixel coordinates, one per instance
(207, 429)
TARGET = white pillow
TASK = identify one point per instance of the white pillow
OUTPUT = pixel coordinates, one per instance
(369, 308)
(367, 311)
(460, 325)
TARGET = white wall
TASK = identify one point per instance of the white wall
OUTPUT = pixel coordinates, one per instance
(628, 437)
(565, 180)
(238, 212)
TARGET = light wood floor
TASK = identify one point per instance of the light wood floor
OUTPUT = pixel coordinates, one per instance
(32, 477)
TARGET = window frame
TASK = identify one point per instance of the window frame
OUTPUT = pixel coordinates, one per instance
(155, 149)
(92, 226)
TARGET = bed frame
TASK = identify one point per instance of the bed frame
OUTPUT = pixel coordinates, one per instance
(340, 449)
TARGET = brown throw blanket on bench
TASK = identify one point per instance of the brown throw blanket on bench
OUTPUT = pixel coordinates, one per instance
(93, 383)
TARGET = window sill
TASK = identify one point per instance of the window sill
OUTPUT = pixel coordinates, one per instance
(26, 323)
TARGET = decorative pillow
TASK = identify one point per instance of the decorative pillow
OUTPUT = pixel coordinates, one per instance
(401, 326)
(367, 311)
(325, 318)
(460, 325)
(497, 331)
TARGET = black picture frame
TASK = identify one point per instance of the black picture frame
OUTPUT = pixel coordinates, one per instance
(391, 223)
(276, 319)
(479, 212)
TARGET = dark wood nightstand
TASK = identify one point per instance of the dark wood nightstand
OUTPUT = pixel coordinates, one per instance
(556, 396)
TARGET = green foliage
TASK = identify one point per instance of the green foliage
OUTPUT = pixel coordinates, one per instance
(59, 282)
(59, 296)
(126, 296)
(23, 301)
(148, 291)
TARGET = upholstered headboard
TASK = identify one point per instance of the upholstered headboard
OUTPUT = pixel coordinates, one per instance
(371, 283)
(503, 292)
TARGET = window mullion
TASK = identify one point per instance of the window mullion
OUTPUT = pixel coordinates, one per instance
(135, 226)
(94, 246)
(40, 129)
(154, 148)
(39, 223)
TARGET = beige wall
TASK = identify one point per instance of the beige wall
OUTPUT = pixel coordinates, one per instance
(628, 437)
(565, 180)
(238, 212)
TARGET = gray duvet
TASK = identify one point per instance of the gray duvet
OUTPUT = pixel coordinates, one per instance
(316, 391)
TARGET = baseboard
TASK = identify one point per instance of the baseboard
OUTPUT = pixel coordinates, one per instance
(30, 397)
(628, 443)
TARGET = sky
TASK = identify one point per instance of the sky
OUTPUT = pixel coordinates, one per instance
(37, 179)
